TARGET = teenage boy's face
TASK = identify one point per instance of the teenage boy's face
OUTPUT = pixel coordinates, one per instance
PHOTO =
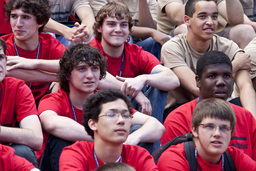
(213, 140)
(216, 81)
(2, 64)
(204, 22)
(84, 78)
(114, 32)
(24, 25)
(115, 129)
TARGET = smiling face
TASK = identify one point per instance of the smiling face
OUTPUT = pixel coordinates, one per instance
(112, 130)
(114, 32)
(211, 143)
(203, 23)
(84, 78)
(216, 81)
(24, 25)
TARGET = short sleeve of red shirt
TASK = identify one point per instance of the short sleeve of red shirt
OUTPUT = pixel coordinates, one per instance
(17, 101)
(10, 161)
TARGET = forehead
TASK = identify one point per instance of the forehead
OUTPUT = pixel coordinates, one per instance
(118, 104)
(114, 19)
(217, 68)
(215, 121)
(207, 7)
(87, 63)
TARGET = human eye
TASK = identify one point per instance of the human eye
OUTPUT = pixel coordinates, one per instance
(126, 115)
(81, 69)
(26, 17)
(201, 16)
(227, 76)
(112, 114)
(215, 17)
(111, 24)
(211, 76)
(224, 128)
(95, 68)
(13, 16)
(209, 126)
(124, 24)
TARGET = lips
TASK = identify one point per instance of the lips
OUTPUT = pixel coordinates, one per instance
(216, 143)
(209, 30)
(121, 131)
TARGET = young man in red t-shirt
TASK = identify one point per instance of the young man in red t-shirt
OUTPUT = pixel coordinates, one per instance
(81, 70)
(32, 56)
(131, 65)
(107, 119)
(19, 123)
(212, 125)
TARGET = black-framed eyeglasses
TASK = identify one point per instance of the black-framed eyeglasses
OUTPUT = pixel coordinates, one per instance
(212, 127)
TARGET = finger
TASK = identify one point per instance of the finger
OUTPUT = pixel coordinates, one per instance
(120, 78)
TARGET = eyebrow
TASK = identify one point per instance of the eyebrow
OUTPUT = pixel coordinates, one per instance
(203, 13)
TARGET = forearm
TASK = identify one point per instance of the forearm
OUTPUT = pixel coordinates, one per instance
(66, 128)
(145, 17)
(247, 92)
(151, 131)
(234, 12)
(175, 11)
(55, 27)
(32, 75)
(109, 82)
(142, 32)
(23, 136)
(87, 18)
(165, 76)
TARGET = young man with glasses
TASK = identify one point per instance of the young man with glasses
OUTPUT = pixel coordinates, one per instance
(213, 123)
(81, 69)
(214, 79)
(107, 119)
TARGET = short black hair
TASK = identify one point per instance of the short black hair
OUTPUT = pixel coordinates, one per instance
(73, 56)
(93, 105)
(190, 6)
(211, 58)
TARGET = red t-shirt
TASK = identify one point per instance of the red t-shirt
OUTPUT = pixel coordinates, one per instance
(50, 48)
(174, 158)
(11, 162)
(79, 156)
(5, 24)
(178, 122)
(136, 60)
(17, 101)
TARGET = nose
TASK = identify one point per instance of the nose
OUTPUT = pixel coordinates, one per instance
(209, 20)
(220, 81)
(216, 132)
(18, 21)
(120, 119)
(89, 73)
(117, 28)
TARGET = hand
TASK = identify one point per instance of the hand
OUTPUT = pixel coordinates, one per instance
(82, 33)
(160, 37)
(241, 61)
(132, 86)
(19, 62)
(144, 103)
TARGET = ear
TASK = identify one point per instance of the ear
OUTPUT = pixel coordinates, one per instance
(92, 124)
(186, 20)
(194, 132)
(99, 29)
(198, 83)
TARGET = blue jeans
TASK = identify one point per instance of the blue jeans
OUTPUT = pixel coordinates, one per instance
(51, 155)
(151, 46)
(25, 152)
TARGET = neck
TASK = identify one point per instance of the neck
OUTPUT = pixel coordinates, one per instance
(113, 51)
(213, 159)
(78, 98)
(107, 152)
(30, 44)
(200, 46)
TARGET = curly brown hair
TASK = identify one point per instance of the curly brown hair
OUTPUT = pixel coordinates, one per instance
(111, 9)
(39, 8)
(73, 56)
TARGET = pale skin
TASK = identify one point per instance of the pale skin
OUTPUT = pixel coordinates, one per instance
(29, 133)
(80, 32)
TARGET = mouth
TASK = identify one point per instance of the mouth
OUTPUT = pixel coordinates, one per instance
(120, 131)
(216, 143)
(209, 30)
